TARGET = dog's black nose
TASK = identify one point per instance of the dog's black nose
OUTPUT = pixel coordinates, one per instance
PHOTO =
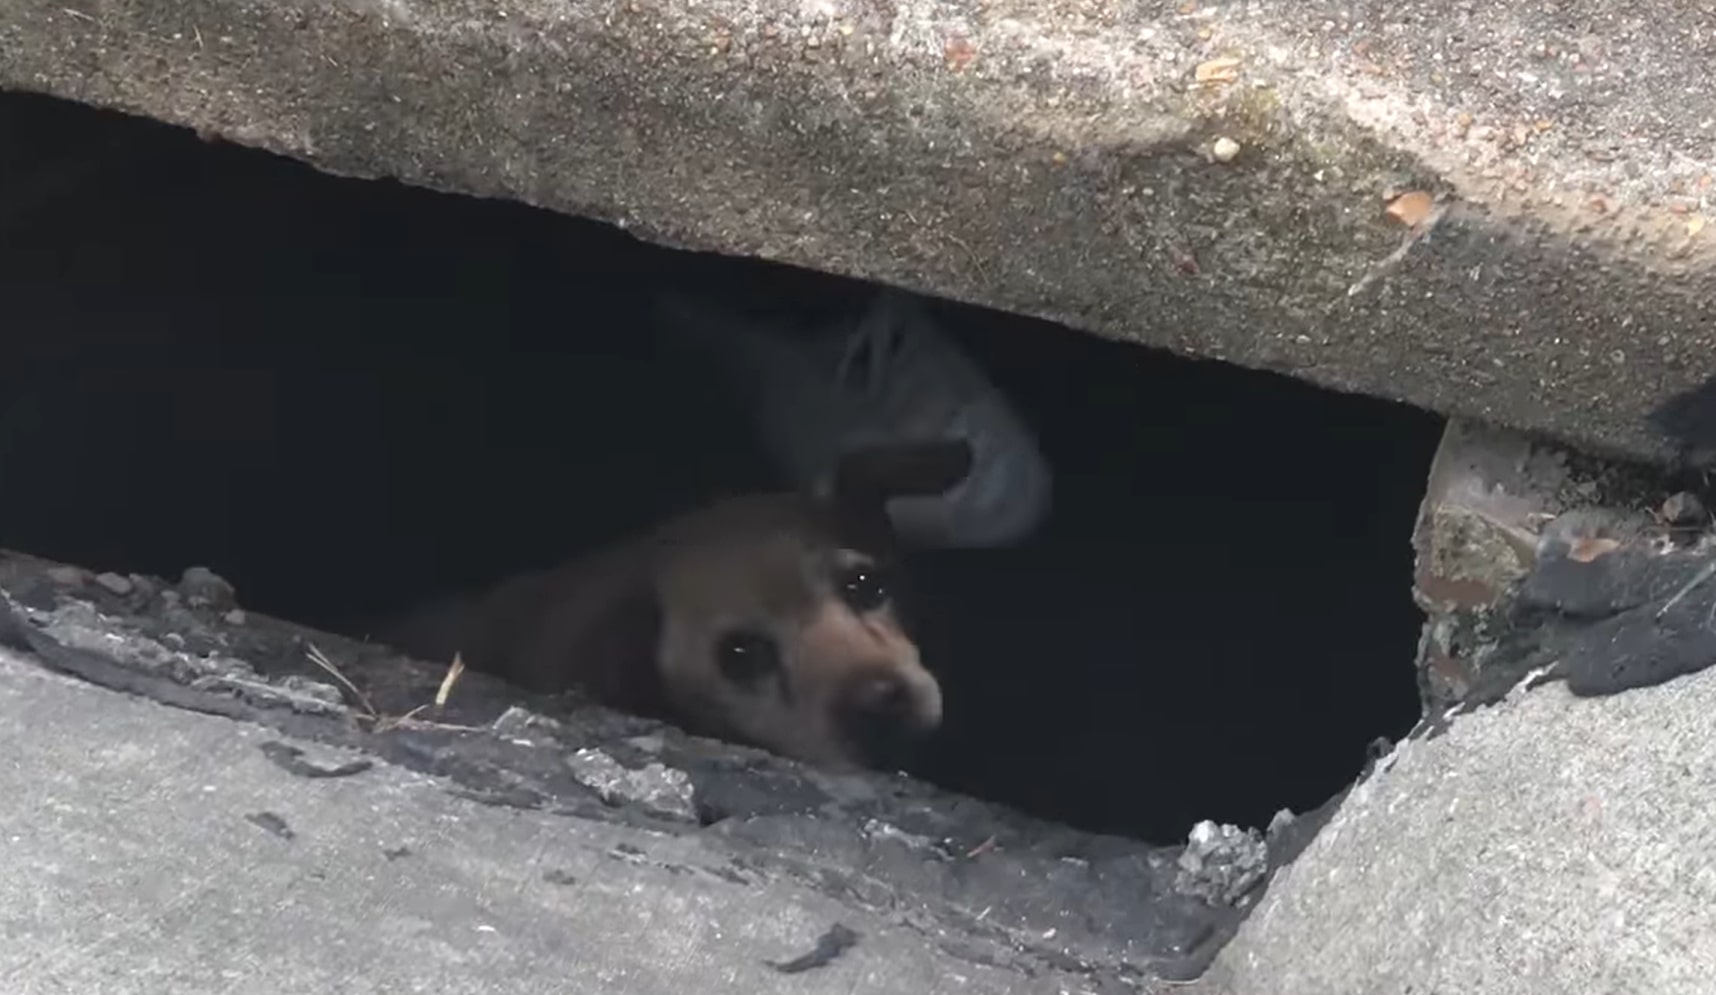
(884, 697)
(882, 718)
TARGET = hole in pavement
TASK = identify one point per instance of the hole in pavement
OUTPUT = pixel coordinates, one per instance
(346, 396)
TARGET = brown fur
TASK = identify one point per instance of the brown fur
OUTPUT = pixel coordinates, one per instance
(637, 625)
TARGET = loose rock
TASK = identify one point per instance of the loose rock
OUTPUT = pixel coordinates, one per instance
(1221, 863)
(203, 588)
(656, 787)
(1683, 509)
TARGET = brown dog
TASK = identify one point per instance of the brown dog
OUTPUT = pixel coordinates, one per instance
(765, 619)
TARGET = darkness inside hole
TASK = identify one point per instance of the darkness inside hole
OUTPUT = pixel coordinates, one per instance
(343, 395)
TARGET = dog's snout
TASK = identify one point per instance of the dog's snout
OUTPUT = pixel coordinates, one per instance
(884, 697)
(885, 716)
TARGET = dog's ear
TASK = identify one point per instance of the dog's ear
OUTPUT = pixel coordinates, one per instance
(872, 475)
(613, 652)
(591, 627)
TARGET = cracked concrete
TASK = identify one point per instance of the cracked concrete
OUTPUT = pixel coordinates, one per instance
(1058, 160)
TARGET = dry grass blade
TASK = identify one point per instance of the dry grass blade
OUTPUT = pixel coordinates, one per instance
(383, 724)
(447, 682)
(320, 659)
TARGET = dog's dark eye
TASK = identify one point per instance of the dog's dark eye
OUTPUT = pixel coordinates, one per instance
(864, 589)
(746, 658)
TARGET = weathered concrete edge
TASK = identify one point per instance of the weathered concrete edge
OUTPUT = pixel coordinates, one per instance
(1112, 911)
(908, 143)
(1555, 738)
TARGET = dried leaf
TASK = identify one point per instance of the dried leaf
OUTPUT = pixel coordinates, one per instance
(1224, 70)
(1694, 225)
(959, 53)
(1586, 549)
(1410, 209)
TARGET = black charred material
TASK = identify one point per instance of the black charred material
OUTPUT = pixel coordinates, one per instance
(1605, 622)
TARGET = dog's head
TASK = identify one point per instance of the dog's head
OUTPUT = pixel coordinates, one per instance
(772, 619)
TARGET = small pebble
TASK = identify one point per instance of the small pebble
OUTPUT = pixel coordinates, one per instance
(67, 576)
(235, 617)
(1683, 509)
(114, 582)
(1224, 149)
(203, 588)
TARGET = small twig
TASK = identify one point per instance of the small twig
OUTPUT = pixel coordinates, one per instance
(1704, 573)
(80, 15)
(980, 849)
(410, 719)
(382, 724)
(447, 682)
(320, 659)
(444, 726)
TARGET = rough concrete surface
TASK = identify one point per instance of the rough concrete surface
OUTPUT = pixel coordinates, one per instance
(154, 850)
(1546, 828)
(1547, 844)
(1214, 178)
(1004, 901)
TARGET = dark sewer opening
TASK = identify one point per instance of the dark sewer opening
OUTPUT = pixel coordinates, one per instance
(347, 395)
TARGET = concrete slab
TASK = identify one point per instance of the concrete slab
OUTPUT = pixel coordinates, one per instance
(1547, 844)
(151, 849)
(1493, 210)
(695, 833)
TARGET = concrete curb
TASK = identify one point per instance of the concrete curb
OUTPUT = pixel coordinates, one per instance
(1216, 180)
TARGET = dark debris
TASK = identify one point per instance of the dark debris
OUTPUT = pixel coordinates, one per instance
(291, 760)
(1631, 618)
(272, 823)
(829, 947)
